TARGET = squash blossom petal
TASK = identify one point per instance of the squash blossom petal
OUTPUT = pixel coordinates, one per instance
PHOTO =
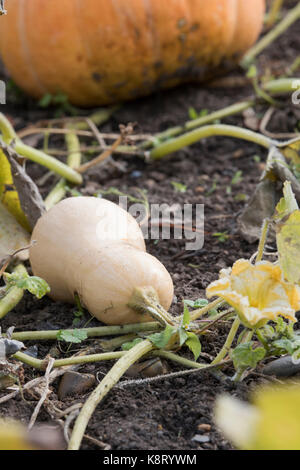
(258, 292)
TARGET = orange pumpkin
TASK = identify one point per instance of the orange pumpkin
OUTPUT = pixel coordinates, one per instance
(104, 51)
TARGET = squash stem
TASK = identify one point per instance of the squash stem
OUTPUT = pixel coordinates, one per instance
(208, 131)
(144, 300)
(292, 16)
(13, 296)
(113, 376)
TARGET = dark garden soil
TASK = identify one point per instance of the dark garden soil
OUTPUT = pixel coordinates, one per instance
(169, 413)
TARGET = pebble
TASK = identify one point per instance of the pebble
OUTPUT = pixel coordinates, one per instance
(73, 383)
(204, 427)
(135, 174)
(282, 367)
(201, 439)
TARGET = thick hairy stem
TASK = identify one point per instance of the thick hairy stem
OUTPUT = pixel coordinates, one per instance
(144, 300)
(113, 376)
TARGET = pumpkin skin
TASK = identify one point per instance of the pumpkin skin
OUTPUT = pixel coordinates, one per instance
(104, 51)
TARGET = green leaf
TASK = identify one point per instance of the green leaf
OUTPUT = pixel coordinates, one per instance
(183, 336)
(45, 101)
(179, 187)
(199, 303)
(245, 356)
(284, 344)
(193, 343)
(252, 72)
(161, 339)
(287, 204)
(193, 113)
(34, 284)
(74, 336)
(131, 344)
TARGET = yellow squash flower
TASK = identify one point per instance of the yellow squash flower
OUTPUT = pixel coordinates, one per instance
(258, 292)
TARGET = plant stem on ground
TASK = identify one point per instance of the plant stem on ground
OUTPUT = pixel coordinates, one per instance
(292, 16)
(201, 121)
(113, 376)
(42, 364)
(73, 161)
(10, 137)
(192, 137)
(91, 332)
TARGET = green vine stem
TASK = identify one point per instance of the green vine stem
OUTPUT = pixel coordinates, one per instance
(229, 340)
(114, 343)
(98, 117)
(13, 296)
(47, 161)
(274, 13)
(73, 161)
(208, 131)
(201, 121)
(93, 332)
(113, 376)
(262, 241)
(281, 85)
(41, 364)
(292, 16)
(203, 310)
(37, 156)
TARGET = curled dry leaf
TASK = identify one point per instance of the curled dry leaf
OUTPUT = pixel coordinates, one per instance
(30, 199)
(12, 236)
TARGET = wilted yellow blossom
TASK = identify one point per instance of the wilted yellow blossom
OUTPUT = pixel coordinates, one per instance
(257, 292)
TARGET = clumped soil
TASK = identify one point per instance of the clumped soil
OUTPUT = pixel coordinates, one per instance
(168, 413)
